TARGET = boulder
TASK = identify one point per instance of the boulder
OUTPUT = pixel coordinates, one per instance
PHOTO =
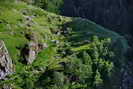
(6, 66)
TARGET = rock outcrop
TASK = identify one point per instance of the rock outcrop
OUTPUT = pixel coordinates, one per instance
(6, 66)
(31, 50)
(6, 87)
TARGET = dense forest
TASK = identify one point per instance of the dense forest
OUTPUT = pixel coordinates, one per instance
(66, 44)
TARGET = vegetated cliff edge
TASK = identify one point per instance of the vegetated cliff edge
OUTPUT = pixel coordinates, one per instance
(51, 51)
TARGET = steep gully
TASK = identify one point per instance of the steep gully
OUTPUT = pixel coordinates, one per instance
(116, 15)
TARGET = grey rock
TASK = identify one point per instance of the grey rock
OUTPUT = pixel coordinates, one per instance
(6, 87)
(55, 41)
(6, 66)
(31, 51)
(29, 18)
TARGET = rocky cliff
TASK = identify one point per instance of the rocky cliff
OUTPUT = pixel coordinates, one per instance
(49, 51)
(6, 66)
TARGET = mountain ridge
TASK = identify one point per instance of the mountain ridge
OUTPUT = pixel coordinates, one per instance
(56, 52)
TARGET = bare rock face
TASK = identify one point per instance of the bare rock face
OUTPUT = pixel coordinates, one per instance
(31, 50)
(6, 87)
(6, 66)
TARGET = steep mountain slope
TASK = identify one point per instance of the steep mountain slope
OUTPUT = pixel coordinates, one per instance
(49, 51)
(115, 15)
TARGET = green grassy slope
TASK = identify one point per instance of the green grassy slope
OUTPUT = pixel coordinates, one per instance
(84, 50)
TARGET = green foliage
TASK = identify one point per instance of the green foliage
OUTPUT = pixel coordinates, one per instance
(6, 1)
(98, 82)
(50, 5)
(85, 69)
(95, 64)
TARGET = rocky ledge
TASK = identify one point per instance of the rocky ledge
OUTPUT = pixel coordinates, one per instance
(6, 66)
